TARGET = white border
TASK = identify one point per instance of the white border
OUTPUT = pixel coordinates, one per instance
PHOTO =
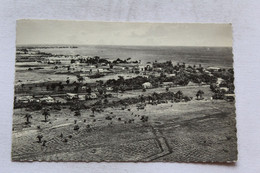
(244, 15)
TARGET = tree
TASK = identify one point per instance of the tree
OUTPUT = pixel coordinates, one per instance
(39, 137)
(67, 81)
(46, 115)
(61, 87)
(167, 89)
(179, 95)
(199, 94)
(80, 78)
(77, 113)
(93, 110)
(122, 88)
(100, 90)
(28, 116)
(105, 101)
(150, 98)
(111, 66)
(88, 90)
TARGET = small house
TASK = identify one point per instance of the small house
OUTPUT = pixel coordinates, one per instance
(224, 89)
(24, 99)
(82, 97)
(92, 96)
(47, 99)
(147, 85)
(109, 89)
(71, 96)
(212, 69)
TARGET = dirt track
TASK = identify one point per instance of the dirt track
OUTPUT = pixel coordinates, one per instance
(195, 130)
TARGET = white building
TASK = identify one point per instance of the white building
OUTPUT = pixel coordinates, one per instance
(147, 85)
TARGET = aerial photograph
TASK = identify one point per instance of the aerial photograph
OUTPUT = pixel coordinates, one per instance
(123, 92)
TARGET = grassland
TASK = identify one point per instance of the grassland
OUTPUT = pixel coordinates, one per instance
(199, 130)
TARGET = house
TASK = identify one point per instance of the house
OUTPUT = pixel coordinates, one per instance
(24, 99)
(47, 99)
(147, 85)
(82, 97)
(141, 68)
(171, 75)
(109, 89)
(212, 69)
(92, 96)
(60, 100)
(224, 89)
(71, 96)
(219, 81)
(158, 69)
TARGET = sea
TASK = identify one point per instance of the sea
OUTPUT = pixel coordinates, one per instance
(206, 56)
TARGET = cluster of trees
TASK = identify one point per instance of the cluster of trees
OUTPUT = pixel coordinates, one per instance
(118, 61)
(91, 60)
(122, 84)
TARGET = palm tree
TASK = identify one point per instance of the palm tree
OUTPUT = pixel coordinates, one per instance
(39, 138)
(46, 114)
(28, 116)
(199, 94)
(93, 110)
(77, 113)
(179, 95)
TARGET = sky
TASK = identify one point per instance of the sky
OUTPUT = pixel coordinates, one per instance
(119, 33)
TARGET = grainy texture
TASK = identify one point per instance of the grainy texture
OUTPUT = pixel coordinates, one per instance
(243, 15)
(95, 91)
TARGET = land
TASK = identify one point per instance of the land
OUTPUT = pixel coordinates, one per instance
(80, 108)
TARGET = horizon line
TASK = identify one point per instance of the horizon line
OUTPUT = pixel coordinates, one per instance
(118, 45)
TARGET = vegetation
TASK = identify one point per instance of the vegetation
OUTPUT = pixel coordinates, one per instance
(28, 117)
(46, 114)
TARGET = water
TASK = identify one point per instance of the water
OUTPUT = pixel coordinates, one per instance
(207, 56)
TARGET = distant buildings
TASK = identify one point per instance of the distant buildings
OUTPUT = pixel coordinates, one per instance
(212, 69)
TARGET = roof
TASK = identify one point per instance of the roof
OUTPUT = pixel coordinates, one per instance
(213, 68)
(147, 83)
(71, 94)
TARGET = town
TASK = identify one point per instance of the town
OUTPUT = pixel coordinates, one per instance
(79, 95)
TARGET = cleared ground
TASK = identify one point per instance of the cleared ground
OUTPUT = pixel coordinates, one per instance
(199, 130)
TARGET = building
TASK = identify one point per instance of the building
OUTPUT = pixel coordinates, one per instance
(71, 96)
(92, 96)
(224, 89)
(212, 69)
(147, 85)
(47, 99)
(171, 75)
(141, 68)
(219, 81)
(81, 97)
(60, 100)
(24, 99)
(109, 89)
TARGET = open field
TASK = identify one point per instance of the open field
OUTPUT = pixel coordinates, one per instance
(198, 130)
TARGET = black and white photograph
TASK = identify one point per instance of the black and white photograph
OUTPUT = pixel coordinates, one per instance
(123, 92)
